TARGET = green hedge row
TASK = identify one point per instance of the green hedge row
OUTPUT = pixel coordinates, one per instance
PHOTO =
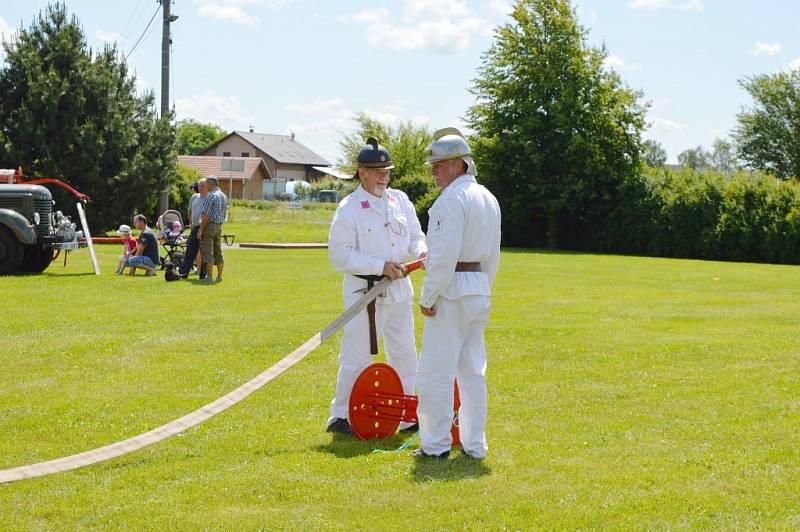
(707, 215)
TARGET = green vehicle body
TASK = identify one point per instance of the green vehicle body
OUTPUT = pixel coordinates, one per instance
(27, 233)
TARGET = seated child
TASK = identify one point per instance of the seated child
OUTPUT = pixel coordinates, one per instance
(130, 247)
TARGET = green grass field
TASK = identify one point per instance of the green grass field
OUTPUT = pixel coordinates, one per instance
(272, 221)
(624, 393)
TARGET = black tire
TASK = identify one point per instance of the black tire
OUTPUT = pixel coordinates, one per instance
(177, 259)
(10, 252)
(36, 258)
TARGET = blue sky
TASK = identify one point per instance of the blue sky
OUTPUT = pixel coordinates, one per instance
(309, 65)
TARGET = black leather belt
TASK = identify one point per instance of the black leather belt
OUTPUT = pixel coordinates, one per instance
(468, 267)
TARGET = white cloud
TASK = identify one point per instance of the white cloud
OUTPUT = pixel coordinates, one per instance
(586, 17)
(141, 85)
(322, 122)
(322, 116)
(436, 9)
(615, 61)
(7, 35)
(108, 36)
(211, 107)
(226, 13)
(664, 124)
(333, 115)
(444, 36)
(234, 10)
(500, 7)
(795, 65)
(660, 103)
(656, 5)
(5, 30)
(764, 48)
(380, 15)
(442, 26)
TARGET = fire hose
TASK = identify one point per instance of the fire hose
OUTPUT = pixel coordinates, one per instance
(179, 425)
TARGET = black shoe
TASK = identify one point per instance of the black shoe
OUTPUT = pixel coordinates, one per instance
(170, 276)
(339, 426)
(419, 453)
(412, 428)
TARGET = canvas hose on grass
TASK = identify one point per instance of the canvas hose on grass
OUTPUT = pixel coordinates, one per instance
(179, 425)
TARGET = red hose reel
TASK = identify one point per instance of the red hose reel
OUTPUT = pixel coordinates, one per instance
(378, 404)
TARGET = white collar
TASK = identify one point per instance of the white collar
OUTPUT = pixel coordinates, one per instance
(463, 178)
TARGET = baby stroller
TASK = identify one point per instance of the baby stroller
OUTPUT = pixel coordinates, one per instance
(170, 232)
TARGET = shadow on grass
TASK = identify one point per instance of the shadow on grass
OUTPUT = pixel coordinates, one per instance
(459, 468)
(344, 446)
(51, 274)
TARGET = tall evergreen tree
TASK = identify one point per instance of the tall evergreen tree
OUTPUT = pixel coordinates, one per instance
(72, 113)
(556, 133)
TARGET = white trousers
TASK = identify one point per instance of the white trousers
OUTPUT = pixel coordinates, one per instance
(395, 324)
(453, 349)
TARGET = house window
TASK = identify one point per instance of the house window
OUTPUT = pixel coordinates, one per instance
(245, 154)
(226, 154)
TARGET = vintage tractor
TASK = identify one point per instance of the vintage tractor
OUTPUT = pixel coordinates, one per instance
(31, 234)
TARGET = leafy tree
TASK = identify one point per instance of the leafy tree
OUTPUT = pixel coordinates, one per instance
(182, 192)
(723, 156)
(695, 158)
(654, 153)
(72, 113)
(556, 133)
(192, 136)
(406, 143)
(767, 134)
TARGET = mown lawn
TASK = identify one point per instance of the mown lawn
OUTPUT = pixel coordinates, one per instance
(273, 221)
(624, 393)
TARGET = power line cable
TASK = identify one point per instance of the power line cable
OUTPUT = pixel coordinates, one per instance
(135, 14)
(143, 33)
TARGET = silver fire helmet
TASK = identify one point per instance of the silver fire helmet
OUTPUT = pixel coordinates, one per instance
(449, 143)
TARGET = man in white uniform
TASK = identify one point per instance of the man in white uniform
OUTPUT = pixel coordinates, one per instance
(463, 257)
(374, 231)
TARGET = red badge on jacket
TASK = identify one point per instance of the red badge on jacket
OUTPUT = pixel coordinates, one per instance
(365, 204)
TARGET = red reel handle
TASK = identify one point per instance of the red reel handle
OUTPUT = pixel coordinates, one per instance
(415, 265)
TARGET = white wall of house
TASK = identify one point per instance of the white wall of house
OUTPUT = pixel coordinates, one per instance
(235, 145)
(291, 172)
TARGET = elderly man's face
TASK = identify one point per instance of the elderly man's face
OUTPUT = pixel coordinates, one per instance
(203, 188)
(374, 180)
(445, 172)
(138, 224)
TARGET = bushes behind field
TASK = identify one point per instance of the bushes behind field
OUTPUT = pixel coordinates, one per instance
(707, 215)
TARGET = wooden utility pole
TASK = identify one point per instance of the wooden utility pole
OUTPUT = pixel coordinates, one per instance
(166, 41)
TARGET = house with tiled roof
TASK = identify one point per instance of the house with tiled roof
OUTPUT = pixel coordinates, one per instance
(285, 159)
(239, 177)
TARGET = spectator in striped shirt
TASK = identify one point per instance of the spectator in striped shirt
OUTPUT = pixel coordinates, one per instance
(210, 232)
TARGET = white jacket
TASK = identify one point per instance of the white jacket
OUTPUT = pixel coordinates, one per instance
(362, 239)
(464, 226)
